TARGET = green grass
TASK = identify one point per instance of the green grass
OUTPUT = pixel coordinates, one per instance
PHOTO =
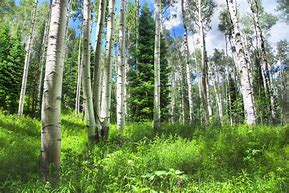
(176, 158)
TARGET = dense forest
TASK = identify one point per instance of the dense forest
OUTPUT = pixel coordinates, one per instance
(144, 96)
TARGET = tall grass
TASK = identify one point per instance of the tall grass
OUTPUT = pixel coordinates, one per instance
(175, 158)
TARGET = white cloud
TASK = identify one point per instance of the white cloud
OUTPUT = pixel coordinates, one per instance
(278, 32)
(173, 18)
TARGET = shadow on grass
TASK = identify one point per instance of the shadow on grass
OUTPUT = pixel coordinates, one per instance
(20, 127)
(72, 127)
(19, 157)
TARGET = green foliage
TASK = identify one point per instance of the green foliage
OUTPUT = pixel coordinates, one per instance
(176, 158)
(11, 62)
(141, 75)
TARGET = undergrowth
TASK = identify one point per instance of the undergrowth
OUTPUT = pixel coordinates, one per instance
(175, 158)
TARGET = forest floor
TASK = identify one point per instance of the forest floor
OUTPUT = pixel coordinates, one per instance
(176, 158)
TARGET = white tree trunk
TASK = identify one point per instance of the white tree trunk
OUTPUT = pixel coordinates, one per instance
(79, 76)
(107, 70)
(218, 94)
(286, 97)
(263, 56)
(205, 82)
(42, 62)
(27, 61)
(188, 68)
(51, 103)
(157, 82)
(137, 30)
(97, 60)
(120, 87)
(243, 67)
(86, 79)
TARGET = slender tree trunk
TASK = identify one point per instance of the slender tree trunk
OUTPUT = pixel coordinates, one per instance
(205, 81)
(27, 61)
(243, 67)
(218, 94)
(97, 59)
(79, 77)
(51, 105)
(86, 80)
(121, 71)
(181, 88)
(173, 86)
(188, 69)
(263, 56)
(229, 101)
(157, 82)
(42, 62)
(107, 70)
(137, 30)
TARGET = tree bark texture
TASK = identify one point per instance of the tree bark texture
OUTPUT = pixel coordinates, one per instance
(51, 103)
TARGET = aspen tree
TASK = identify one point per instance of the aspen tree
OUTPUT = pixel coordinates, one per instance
(107, 70)
(97, 64)
(157, 113)
(86, 79)
(243, 66)
(255, 8)
(42, 62)
(120, 87)
(51, 103)
(188, 69)
(27, 61)
(79, 76)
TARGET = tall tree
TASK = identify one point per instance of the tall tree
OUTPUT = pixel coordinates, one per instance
(283, 70)
(120, 87)
(51, 105)
(157, 82)
(27, 61)
(107, 73)
(243, 66)
(97, 65)
(79, 76)
(86, 79)
(188, 65)
(201, 13)
(256, 8)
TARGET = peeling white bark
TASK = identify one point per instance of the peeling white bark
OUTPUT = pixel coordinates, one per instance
(243, 68)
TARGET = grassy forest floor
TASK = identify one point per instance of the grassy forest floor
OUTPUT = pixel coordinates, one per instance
(176, 158)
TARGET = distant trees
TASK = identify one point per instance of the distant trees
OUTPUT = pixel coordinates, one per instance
(283, 6)
(200, 12)
(27, 61)
(12, 54)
